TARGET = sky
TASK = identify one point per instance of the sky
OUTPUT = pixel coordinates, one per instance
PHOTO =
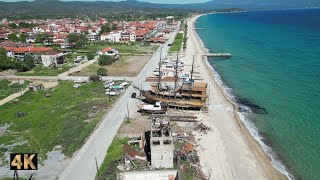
(153, 1)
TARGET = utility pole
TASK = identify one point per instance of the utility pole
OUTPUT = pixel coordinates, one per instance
(128, 111)
(176, 76)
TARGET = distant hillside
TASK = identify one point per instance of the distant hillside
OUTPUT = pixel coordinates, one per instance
(55, 8)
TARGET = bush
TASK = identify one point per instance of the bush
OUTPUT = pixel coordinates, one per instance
(102, 72)
(94, 78)
(105, 60)
(90, 56)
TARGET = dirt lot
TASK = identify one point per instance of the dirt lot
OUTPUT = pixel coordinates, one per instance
(125, 66)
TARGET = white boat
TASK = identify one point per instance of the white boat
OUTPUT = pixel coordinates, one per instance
(158, 108)
(79, 80)
(124, 84)
(112, 93)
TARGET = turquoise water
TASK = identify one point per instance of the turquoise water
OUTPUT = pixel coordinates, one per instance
(276, 65)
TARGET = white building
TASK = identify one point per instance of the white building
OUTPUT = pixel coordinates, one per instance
(109, 51)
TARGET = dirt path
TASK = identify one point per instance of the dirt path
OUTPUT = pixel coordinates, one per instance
(12, 97)
(77, 68)
(18, 94)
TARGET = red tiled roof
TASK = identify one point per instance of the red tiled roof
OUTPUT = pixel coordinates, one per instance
(32, 49)
(106, 49)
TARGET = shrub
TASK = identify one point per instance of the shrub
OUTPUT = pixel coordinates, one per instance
(90, 56)
(102, 72)
(105, 60)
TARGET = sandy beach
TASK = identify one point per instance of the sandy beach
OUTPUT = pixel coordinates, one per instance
(228, 151)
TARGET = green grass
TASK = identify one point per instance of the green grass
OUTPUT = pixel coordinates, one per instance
(44, 71)
(66, 118)
(122, 48)
(176, 45)
(108, 168)
(7, 89)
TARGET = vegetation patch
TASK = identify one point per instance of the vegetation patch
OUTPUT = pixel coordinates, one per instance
(65, 118)
(125, 66)
(176, 45)
(45, 71)
(108, 169)
(6, 88)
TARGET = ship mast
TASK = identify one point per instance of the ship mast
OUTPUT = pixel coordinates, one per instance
(176, 76)
(192, 68)
(159, 79)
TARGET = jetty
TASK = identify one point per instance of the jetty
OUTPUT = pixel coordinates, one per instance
(227, 55)
(200, 28)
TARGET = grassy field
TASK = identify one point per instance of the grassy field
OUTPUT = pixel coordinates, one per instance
(176, 45)
(108, 169)
(66, 118)
(6, 88)
(125, 66)
(122, 48)
(44, 71)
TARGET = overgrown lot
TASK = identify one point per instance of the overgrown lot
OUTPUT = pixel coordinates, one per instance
(45, 71)
(6, 88)
(65, 118)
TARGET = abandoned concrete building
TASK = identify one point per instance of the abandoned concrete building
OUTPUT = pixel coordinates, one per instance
(161, 144)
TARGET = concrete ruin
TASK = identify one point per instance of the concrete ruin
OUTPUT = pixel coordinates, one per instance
(161, 144)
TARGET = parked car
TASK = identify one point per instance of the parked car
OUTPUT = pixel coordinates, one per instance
(133, 95)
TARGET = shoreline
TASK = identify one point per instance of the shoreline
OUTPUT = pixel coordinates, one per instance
(260, 161)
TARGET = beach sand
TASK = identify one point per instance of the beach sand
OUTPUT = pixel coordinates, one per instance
(228, 151)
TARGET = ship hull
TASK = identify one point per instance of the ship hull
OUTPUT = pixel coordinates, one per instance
(174, 102)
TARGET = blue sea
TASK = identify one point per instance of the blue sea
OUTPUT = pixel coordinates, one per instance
(275, 64)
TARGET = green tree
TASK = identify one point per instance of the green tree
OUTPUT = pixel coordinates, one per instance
(102, 72)
(28, 62)
(105, 60)
(42, 38)
(114, 26)
(13, 25)
(79, 40)
(13, 37)
(3, 59)
(106, 28)
(22, 38)
(90, 56)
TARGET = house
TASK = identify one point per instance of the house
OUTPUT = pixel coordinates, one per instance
(20, 52)
(156, 40)
(53, 58)
(36, 86)
(92, 37)
(104, 37)
(109, 51)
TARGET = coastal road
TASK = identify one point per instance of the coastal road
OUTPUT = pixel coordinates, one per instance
(83, 165)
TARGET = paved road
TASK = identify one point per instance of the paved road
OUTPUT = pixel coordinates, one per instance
(82, 166)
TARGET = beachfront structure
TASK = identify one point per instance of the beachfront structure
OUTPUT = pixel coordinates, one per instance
(161, 144)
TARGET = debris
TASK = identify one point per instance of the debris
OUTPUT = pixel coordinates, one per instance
(134, 154)
(203, 128)
(21, 114)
